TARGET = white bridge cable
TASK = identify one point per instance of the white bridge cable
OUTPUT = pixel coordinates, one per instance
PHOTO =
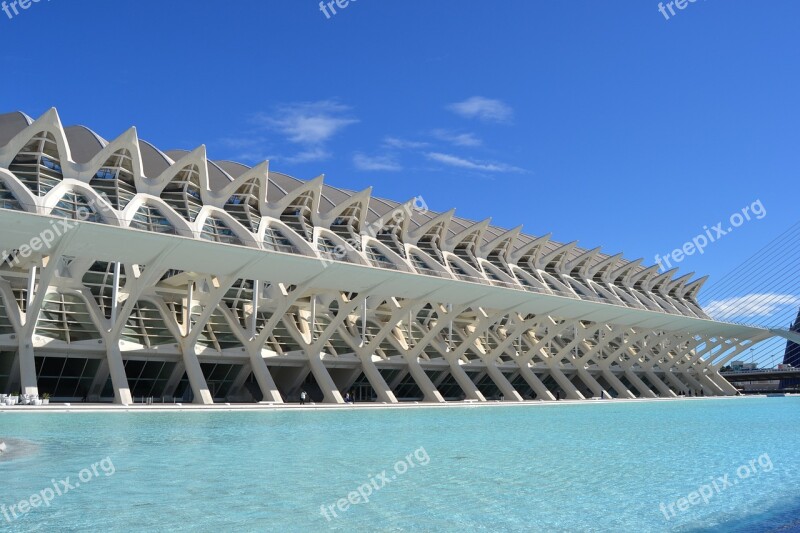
(764, 291)
(759, 295)
(724, 285)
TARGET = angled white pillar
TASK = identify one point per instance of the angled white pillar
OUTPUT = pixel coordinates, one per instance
(677, 383)
(727, 388)
(27, 368)
(563, 381)
(376, 380)
(530, 377)
(640, 385)
(27, 361)
(398, 379)
(116, 368)
(694, 385)
(263, 377)
(709, 384)
(196, 378)
(592, 383)
(469, 387)
(619, 386)
(174, 379)
(664, 391)
(323, 378)
(99, 381)
(429, 391)
(510, 394)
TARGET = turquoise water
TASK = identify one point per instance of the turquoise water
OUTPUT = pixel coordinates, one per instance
(598, 467)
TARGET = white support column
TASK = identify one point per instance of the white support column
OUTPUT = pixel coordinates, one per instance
(709, 384)
(592, 383)
(695, 385)
(376, 380)
(364, 323)
(235, 390)
(323, 378)
(509, 392)
(193, 369)
(542, 393)
(31, 288)
(189, 302)
(412, 353)
(116, 368)
(174, 379)
(678, 384)
(99, 381)
(313, 318)
(27, 360)
(304, 335)
(490, 358)
(570, 390)
(196, 378)
(664, 391)
(254, 316)
(115, 293)
(219, 286)
(680, 356)
(651, 363)
(471, 391)
(398, 379)
(640, 385)
(27, 368)
(293, 383)
(627, 366)
(618, 385)
(263, 377)
(429, 391)
(722, 383)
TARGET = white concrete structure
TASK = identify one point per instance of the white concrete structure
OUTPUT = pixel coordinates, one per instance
(134, 273)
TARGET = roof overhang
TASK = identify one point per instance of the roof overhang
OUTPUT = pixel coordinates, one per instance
(112, 243)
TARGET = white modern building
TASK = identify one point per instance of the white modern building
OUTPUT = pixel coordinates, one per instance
(133, 273)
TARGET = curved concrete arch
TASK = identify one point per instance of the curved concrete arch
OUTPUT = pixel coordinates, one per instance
(182, 227)
(28, 201)
(244, 235)
(107, 212)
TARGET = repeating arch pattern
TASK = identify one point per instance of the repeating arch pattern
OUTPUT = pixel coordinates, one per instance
(197, 335)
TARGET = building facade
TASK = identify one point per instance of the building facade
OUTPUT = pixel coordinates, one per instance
(134, 273)
(791, 356)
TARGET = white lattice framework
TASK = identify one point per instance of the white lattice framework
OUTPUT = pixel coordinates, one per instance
(242, 283)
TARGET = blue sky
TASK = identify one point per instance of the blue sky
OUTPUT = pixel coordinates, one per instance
(601, 122)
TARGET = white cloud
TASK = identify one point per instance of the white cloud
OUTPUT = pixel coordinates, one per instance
(457, 139)
(306, 156)
(376, 163)
(486, 109)
(242, 143)
(460, 162)
(402, 144)
(750, 305)
(248, 149)
(310, 123)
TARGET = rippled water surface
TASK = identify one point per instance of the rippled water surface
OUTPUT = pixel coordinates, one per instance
(599, 467)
